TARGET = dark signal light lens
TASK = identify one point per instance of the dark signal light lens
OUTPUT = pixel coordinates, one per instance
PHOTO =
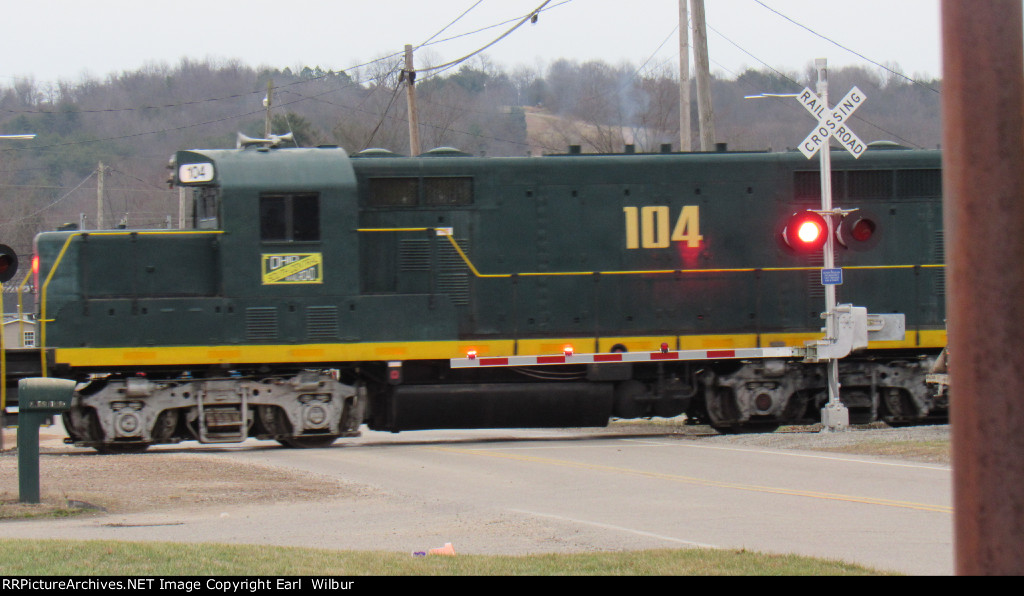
(805, 231)
(863, 230)
(858, 230)
(8, 263)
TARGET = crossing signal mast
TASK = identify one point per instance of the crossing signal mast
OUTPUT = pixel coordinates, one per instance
(817, 229)
(809, 231)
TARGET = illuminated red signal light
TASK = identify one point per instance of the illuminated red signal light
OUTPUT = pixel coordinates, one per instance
(809, 232)
(805, 231)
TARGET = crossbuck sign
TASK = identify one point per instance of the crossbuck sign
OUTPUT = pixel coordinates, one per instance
(832, 122)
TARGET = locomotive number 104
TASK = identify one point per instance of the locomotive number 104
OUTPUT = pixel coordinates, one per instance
(650, 227)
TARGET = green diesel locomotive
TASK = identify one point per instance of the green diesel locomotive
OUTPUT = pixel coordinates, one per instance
(319, 291)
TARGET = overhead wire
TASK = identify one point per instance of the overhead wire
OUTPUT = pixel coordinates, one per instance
(394, 95)
(522, 22)
(383, 116)
(440, 68)
(448, 65)
(51, 204)
(235, 96)
(457, 19)
(852, 51)
(800, 85)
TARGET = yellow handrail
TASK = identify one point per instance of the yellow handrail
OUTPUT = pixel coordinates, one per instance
(21, 312)
(476, 272)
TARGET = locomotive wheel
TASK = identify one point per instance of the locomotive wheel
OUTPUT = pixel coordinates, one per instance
(275, 422)
(313, 442)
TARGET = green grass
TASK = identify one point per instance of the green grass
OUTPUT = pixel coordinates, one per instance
(67, 557)
(15, 510)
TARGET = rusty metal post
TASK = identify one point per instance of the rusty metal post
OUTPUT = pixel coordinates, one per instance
(983, 153)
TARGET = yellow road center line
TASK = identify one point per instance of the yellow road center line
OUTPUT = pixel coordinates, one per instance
(703, 481)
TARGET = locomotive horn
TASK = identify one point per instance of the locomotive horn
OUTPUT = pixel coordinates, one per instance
(273, 141)
(245, 141)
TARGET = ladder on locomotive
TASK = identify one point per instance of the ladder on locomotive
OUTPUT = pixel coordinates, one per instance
(223, 412)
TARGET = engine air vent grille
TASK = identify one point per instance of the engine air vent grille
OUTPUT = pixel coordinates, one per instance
(322, 322)
(261, 323)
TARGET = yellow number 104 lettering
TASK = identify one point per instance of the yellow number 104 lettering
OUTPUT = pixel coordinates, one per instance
(648, 227)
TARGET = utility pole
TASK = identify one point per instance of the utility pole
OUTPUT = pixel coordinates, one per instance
(99, 197)
(267, 102)
(983, 181)
(700, 62)
(410, 89)
(685, 143)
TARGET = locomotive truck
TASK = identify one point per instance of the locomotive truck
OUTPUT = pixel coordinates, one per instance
(318, 291)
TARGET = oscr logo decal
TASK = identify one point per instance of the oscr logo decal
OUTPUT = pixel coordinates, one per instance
(304, 268)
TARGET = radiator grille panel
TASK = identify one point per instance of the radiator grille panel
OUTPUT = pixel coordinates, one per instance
(322, 322)
(261, 324)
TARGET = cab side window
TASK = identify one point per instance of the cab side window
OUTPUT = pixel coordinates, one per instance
(290, 217)
(206, 208)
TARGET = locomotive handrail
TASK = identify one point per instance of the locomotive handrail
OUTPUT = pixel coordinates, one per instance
(60, 257)
(21, 311)
(476, 272)
(3, 348)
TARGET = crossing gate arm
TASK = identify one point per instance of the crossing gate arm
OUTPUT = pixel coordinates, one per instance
(633, 357)
(854, 328)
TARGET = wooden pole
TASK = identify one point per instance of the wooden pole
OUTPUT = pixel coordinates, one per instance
(410, 88)
(700, 62)
(267, 103)
(685, 132)
(983, 211)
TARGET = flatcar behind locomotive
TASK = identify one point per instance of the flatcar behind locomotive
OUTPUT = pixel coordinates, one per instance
(320, 291)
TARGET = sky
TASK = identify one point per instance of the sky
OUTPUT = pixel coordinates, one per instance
(68, 40)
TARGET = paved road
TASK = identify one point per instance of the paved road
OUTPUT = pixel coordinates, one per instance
(552, 491)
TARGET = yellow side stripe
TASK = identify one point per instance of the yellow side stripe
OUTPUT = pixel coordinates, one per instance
(435, 350)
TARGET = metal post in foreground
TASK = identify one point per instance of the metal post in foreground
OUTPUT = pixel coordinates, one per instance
(38, 399)
(834, 416)
(983, 194)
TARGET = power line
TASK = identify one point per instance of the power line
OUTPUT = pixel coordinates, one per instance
(294, 83)
(383, 116)
(522, 22)
(53, 203)
(457, 19)
(475, 31)
(854, 52)
(798, 85)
